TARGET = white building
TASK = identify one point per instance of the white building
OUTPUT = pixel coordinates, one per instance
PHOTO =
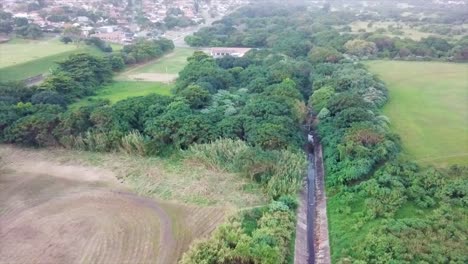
(226, 51)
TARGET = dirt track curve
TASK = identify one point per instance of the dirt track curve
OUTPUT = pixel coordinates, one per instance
(48, 216)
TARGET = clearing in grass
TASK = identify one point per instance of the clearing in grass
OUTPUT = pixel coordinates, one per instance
(428, 109)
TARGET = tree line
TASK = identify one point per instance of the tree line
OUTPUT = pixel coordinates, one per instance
(19, 25)
(324, 36)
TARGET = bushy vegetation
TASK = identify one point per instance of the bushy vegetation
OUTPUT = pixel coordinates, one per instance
(419, 212)
(19, 25)
(94, 41)
(144, 50)
(281, 172)
(259, 236)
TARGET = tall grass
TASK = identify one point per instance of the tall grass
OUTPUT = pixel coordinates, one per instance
(288, 176)
(135, 143)
(280, 172)
(92, 141)
(219, 154)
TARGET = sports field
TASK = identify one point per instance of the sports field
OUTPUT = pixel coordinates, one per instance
(18, 51)
(165, 69)
(20, 59)
(120, 90)
(428, 108)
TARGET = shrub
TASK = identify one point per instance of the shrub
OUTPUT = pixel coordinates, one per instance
(268, 243)
(49, 97)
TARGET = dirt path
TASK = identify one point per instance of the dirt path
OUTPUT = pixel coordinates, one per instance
(168, 245)
(130, 75)
(153, 77)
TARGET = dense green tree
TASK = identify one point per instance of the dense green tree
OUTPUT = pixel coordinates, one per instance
(6, 22)
(116, 62)
(144, 50)
(34, 129)
(196, 96)
(17, 91)
(321, 54)
(320, 97)
(99, 43)
(49, 97)
(360, 48)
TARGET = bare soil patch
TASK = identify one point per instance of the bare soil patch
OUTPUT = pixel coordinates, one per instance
(54, 209)
(153, 77)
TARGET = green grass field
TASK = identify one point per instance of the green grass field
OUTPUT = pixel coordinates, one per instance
(169, 65)
(172, 63)
(121, 90)
(20, 59)
(428, 108)
(19, 51)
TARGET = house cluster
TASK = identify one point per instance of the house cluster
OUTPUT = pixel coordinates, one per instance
(113, 20)
(156, 10)
(56, 15)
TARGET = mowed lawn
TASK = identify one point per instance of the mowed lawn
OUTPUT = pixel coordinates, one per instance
(18, 51)
(172, 63)
(20, 59)
(120, 90)
(428, 108)
(164, 69)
